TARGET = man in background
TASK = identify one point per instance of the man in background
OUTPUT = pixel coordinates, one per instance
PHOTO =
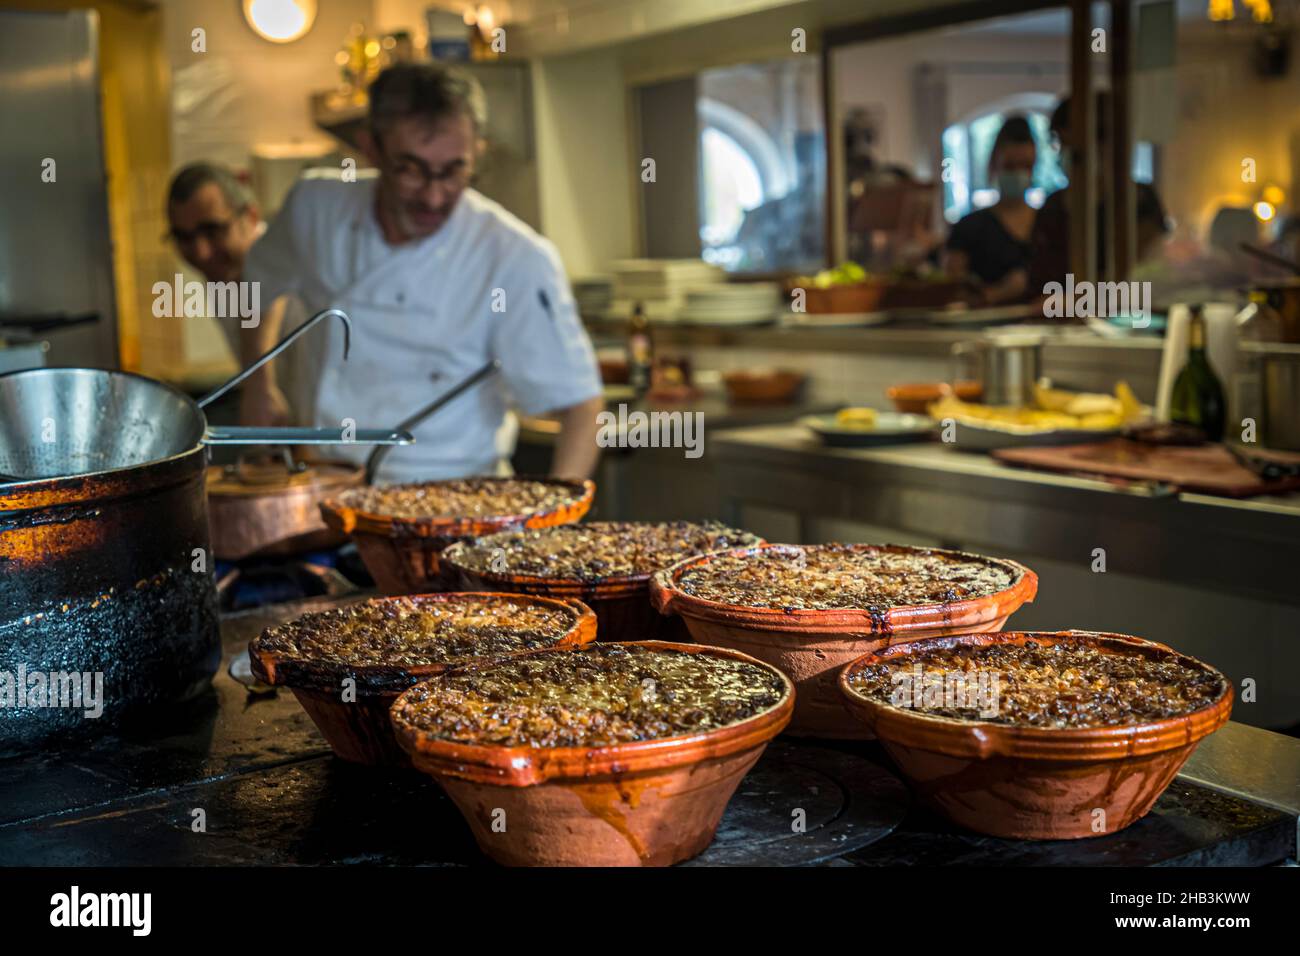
(213, 220)
(438, 280)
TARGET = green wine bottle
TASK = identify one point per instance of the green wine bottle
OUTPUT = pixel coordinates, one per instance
(1197, 397)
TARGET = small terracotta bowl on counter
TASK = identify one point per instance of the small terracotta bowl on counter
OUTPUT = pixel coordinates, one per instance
(765, 601)
(865, 296)
(763, 385)
(605, 564)
(611, 755)
(385, 645)
(915, 398)
(401, 529)
(1079, 737)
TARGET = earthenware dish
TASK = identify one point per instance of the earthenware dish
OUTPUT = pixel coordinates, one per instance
(401, 554)
(810, 646)
(621, 602)
(644, 803)
(1035, 783)
(360, 730)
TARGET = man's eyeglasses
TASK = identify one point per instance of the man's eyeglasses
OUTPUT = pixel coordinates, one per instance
(212, 231)
(413, 175)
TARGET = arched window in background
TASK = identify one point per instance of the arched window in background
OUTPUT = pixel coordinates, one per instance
(732, 186)
(762, 166)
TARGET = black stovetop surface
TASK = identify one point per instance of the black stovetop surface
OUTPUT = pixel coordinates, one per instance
(270, 792)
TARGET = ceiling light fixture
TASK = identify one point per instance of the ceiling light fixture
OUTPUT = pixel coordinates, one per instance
(280, 21)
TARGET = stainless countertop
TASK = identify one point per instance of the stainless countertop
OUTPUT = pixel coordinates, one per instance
(896, 338)
(1256, 765)
(934, 490)
(717, 412)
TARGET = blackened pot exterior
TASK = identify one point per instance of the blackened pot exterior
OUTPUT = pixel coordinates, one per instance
(106, 574)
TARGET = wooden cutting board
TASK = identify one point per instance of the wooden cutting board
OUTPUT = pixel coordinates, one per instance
(1209, 469)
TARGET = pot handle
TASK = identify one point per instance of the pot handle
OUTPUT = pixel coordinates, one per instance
(963, 365)
(283, 344)
(338, 517)
(245, 435)
(661, 592)
(586, 620)
(377, 456)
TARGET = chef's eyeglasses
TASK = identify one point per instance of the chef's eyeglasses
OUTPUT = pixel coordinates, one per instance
(412, 175)
(212, 231)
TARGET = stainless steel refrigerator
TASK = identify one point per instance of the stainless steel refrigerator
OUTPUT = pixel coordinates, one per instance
(56, 275)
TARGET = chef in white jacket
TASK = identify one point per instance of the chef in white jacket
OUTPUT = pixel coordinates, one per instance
(437, 280)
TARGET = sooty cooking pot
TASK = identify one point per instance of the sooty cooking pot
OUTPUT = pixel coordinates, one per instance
(105, 566)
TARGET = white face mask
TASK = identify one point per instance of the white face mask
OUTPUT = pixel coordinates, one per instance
(1012, 183)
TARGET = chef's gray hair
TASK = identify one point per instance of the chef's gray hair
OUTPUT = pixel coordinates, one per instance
(428, 90)
(190, 179)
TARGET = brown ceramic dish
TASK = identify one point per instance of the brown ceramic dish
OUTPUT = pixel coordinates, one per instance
(314, 654)
(1037, 782)
(640, 802)
(863, 296)
(272, 509)
(605, 564)
(916, 397)
(401, 551)
(812, 644)
(763, 386)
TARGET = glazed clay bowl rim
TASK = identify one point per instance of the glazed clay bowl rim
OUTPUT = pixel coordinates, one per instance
(964, 613)
(524, 766)
(982, 739)
(279, 670)
(345, 518)
(612, 587)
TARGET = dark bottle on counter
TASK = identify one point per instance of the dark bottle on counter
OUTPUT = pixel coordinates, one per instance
(640, 351)
(1197, 398)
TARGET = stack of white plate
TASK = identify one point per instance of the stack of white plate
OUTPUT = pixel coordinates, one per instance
(749, 303)
(659, 285)
(593, 295)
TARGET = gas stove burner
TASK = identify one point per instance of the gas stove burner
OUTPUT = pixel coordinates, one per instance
(803, 805)
(256, 582)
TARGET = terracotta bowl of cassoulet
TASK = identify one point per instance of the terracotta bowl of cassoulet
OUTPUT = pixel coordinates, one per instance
(1078, 736)
(605, 564)
(347, 665)
(400, 530)
(621, 754)
(809, 610)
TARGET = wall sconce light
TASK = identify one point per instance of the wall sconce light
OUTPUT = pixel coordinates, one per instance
(280, 21)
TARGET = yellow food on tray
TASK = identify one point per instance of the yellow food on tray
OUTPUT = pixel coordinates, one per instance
(1054, 409)
(863, 419)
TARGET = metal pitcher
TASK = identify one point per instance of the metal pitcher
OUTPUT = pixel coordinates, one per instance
(1007, 366)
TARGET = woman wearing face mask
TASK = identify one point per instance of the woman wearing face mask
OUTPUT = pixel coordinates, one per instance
(991, 245)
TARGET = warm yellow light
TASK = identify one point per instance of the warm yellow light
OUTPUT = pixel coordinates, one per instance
(1274, 195)
(280, 21)
(1264, 211)
(1261, 11)
(1221, 10)
(372, 48)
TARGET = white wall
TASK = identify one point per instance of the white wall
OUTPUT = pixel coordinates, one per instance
(881, 74)
(245, 90)
(585, 166)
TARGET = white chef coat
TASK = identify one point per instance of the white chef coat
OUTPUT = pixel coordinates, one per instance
(425, 314)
